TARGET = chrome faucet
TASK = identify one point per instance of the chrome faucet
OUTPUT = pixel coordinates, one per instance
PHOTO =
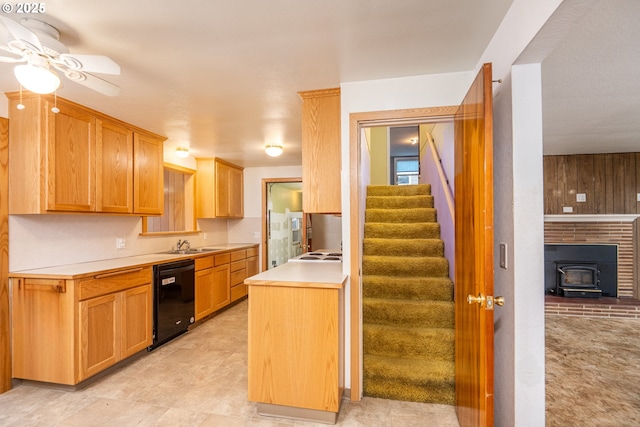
(181, 243)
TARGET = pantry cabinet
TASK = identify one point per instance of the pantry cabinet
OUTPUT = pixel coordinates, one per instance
(80, 160)
(321, 159)
(66, 330)
(219, 189)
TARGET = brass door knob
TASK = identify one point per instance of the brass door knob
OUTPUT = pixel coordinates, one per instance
(479, 299)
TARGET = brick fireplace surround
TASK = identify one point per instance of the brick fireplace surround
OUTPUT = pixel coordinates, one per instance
(621, 233)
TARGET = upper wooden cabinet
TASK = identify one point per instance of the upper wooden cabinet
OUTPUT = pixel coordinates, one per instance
(219, 189)
(321, 151)
(79, 160)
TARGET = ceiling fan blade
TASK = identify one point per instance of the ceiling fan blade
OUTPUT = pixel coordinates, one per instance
(22, 34)
(93, 82)
(92, 63)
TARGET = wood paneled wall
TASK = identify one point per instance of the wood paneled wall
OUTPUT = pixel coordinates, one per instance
(611, 183)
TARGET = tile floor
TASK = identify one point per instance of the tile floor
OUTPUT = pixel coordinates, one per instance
(592, 372)
(198, 379)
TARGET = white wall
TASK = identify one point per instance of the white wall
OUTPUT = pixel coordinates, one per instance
(380, 95)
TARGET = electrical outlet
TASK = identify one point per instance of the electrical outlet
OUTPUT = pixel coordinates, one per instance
(581, 197)
(120, 243)
(567, 209)
(204, 236)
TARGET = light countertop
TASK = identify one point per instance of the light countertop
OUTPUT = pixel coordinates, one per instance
(311, 274)
(73, 271)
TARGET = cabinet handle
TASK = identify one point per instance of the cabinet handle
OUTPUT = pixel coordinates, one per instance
(57, 285)
(117, 273)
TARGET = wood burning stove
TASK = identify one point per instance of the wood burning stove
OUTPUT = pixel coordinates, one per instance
(578, 279)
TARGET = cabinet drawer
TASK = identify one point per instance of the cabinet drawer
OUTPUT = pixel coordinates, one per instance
(238, 277)
(238, 292)
(221, 259)
(238, 255)
(102, 284)
(251, 252)
(203, 263)
(238, 265)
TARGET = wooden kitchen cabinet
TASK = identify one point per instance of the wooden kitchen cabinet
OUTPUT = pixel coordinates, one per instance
(114, 175)
(221, 281)
(148, 176)
(113, 327)
(321, 158)
(219, 189)
(64, 331)
(79, 160)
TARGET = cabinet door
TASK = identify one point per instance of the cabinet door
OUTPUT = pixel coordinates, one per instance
(148, 175)
(252, 266)
(321, 157)
(71, 148)
(42, 331)
(114, 167)
(221, 286)
(223, 195)
(236, 196)
(98, 333)
(204, 293)
(137, 320)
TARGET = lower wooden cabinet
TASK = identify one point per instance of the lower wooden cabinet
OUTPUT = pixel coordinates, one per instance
(65, 331)
(212, 290)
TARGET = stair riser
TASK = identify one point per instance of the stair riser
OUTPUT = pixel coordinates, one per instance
(443, 394)
(399, 190)
(402, 231)
(434, 348)
(400, 215)
(413, 292)
(404, 247)
(425, 316)
(405, 266)
(374, 202)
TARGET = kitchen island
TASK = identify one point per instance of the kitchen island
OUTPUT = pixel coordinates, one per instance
(296, 340)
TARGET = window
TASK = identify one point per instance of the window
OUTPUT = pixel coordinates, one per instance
(406, 170)
(179, 203)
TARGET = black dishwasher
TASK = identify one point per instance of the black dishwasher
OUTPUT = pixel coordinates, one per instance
(173, 297)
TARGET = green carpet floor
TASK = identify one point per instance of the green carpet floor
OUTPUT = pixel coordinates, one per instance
(408, 311)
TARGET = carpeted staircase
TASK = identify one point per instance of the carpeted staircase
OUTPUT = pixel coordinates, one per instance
(408, 311)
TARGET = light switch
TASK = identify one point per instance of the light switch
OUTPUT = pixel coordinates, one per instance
(567, 209)
(581, 197)
(120, 243)
(503, 255)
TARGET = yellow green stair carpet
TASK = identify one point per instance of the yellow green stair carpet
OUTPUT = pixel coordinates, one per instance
(408, 311)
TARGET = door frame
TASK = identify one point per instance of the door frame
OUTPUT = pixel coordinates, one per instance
(358, 121)
(265, 184)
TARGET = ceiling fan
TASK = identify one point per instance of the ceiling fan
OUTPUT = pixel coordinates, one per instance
(37, 43)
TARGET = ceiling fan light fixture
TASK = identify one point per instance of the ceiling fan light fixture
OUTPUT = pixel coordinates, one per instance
(37, 78)
(182, 152)
(273, 150)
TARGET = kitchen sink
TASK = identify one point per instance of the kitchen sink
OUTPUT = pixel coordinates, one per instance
(191, 251)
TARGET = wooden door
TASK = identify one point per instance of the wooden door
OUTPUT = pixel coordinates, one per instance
(70, 159)
(148, 174)
(474, 254)
(137, 320)
(114, 167)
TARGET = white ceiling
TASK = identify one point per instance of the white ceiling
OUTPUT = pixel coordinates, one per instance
(222, 76)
